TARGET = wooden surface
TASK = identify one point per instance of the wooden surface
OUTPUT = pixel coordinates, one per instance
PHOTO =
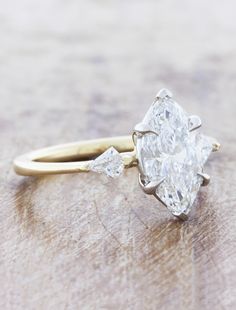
(72, 70)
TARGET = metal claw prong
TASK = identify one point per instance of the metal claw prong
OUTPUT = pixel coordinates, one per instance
(163, 93)
(194, 122)
(215, 147)
(183, 216)
(142, 129)
(134, 138)
(206, 178)
(151, 187)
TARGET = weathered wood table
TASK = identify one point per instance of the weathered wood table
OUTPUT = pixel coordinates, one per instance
(73, 70)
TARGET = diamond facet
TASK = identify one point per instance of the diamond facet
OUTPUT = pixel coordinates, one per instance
(110, 163)
(176, 155)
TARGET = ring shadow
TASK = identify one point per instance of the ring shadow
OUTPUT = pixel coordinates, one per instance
(31, 222)
(199, 232)
(167, 231)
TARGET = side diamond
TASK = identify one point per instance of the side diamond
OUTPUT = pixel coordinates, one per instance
(110, 163)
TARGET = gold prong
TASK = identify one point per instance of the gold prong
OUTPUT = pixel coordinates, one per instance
(206, 178)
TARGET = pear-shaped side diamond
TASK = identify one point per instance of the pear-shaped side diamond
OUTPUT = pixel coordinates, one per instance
(110, 163)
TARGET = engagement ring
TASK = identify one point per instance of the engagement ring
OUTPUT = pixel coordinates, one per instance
(166, 147)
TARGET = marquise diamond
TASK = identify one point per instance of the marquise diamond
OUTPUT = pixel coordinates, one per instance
(171, 152)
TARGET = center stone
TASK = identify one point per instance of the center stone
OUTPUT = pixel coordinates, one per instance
(174, 154)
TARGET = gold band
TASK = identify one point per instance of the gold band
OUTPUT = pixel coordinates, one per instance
(73, 157)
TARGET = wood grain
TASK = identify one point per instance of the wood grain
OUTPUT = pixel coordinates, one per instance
(72, 70)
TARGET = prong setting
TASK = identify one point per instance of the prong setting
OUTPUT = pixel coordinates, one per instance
(174, 150)
(215, 147)
(163, 93)
(151, 187)
(142, 129)
(183, 216)
(134, 137)
(206, 178)
(194, 122)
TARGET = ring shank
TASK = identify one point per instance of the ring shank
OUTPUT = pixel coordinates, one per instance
(73, 157)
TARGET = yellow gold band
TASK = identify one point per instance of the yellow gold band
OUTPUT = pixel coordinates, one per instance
(73, 157)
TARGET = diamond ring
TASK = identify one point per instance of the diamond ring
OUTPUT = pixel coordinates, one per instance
(171, 154)
(166, 147)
